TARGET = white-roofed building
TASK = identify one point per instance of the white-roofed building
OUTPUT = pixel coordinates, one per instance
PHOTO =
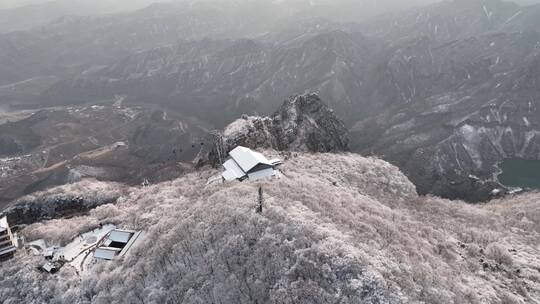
(246, 163)
(232, 171)
(7, 243)
(120, 236)
(116, 244)
(106, 253)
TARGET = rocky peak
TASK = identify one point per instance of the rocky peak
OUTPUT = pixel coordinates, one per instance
(303, 123)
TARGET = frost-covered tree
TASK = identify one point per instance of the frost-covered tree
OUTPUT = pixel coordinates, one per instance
(335, 229)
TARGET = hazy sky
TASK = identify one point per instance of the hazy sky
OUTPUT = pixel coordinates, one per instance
(15, 3)
(139, 3)
(127, 3)
(134, 4)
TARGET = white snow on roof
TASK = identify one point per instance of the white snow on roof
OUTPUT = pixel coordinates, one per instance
(4, 222)
(120, 236)
(132, 240)
(262, 174)
(126, 237)
(105, 253)
(248, 159)
(232, 171)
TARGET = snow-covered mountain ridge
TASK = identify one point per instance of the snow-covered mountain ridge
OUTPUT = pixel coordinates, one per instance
(335, 228)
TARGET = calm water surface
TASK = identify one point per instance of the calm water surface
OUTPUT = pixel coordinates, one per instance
(520, 173)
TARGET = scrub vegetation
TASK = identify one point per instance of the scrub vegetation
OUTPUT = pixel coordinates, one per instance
(334, 229)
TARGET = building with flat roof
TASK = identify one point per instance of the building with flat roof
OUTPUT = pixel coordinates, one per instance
(115, 244)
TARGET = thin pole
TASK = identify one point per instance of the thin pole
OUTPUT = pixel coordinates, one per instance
(261, 201)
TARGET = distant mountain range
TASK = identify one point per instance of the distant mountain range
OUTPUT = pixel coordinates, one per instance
(120, 121)
(26, 14)
(16, 16)
(420, 87)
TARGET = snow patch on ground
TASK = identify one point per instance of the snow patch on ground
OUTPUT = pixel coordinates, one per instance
(77, 253)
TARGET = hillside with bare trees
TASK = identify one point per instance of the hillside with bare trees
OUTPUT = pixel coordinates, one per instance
(335, 228)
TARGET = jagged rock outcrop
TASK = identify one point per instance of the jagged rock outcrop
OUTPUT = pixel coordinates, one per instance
(303, 123)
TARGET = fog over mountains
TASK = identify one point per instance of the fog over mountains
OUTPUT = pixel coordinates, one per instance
(19, 15)
(390, 117)
(421, 87)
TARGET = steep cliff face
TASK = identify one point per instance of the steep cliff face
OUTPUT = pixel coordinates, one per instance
(303, 123)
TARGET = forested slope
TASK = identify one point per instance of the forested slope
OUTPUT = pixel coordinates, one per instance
(334, 229)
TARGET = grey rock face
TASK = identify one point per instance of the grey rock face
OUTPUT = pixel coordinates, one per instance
(303, 123)
(452, 147)
(32, 211)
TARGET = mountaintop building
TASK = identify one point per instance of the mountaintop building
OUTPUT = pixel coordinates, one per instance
(116, 244)
(245, 163)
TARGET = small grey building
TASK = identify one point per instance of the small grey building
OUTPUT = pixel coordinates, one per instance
(116, 244)
(245, 163)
